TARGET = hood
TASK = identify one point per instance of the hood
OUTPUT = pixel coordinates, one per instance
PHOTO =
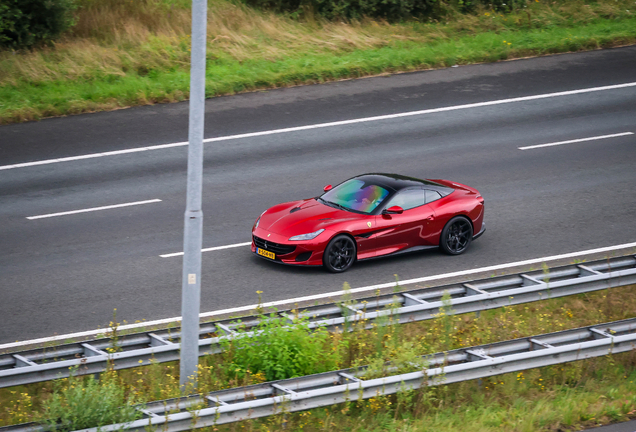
(302, 217)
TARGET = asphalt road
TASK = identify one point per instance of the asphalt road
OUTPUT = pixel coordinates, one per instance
(67, 273)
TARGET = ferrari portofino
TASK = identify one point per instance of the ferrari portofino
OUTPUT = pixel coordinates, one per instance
(370, 216)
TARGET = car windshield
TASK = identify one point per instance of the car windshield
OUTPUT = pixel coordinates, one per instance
(356, 195)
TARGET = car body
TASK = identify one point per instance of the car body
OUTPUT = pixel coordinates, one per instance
(370, 216)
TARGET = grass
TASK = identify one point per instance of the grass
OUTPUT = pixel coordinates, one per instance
(595, 391)
(124, 53)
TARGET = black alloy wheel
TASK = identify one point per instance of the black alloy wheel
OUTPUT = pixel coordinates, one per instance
(456, 235)
(339, 254)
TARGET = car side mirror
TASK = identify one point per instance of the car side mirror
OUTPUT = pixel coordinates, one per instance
(327, 188)
(393, 210)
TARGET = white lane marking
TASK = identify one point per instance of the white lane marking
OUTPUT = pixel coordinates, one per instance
(208, 249)
(576, 140)
(325, 125)
(93, 209)
(92, 155)
(326, 295)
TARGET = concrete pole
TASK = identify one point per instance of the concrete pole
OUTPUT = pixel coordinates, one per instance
(193, 226)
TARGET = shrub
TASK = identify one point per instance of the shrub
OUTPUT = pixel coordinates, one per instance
(84, 402)
(389, 10)
(282, 350)
(26, 23)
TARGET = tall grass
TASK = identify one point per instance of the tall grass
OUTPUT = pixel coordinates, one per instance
(124, 53)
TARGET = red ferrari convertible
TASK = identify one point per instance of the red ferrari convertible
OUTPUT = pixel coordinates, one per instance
(370, 216)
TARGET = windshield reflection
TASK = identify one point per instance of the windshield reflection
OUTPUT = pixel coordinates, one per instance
(356, 195)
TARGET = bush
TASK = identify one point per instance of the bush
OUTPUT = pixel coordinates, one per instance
(26, 23)
(281, 350)
(84, 402)
(389, 10)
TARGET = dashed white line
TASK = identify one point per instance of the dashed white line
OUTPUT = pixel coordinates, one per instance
(334, 294)
(326, 125)
(208, 249)
(601, 137)
(94, 209)
(92, 156)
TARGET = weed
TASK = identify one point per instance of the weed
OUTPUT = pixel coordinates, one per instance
(397, 288)
(20, 408)
(280, 350)
(113, 334)
(259, 307)
(84, 402)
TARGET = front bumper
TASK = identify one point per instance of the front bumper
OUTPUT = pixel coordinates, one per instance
(308, 252)
(481, 232)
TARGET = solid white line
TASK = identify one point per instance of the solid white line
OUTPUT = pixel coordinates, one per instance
(325, 125)
(326, 295)
(93, 209)
(576, 140)
(208, 249)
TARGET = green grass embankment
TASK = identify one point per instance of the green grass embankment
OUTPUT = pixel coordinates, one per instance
(116, 58)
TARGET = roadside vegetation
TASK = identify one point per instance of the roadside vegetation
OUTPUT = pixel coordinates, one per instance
(121, 53)
(560, 397)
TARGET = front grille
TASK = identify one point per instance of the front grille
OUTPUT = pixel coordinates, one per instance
(277, 248)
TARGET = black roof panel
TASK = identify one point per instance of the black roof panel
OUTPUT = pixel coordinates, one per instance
(398, 182)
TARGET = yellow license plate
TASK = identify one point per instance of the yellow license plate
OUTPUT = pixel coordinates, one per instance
(265, 253)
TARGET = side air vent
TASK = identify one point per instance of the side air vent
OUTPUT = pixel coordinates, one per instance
(303, 256)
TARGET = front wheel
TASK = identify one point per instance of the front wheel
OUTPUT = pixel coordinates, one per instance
(456, 235)
(339, 254)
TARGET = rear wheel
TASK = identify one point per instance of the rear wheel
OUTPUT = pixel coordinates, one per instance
(339, 254)
(456, 235)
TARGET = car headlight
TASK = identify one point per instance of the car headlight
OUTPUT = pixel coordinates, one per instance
(259, 219)
(309, 236)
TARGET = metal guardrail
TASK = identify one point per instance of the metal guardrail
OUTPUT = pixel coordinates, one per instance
(313, 391)
(413, 305)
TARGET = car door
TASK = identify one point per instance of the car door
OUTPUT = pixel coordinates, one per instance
(396, 232)
(363, 231)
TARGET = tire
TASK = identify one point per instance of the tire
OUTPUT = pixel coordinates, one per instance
(456, 235)
(340, 254)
